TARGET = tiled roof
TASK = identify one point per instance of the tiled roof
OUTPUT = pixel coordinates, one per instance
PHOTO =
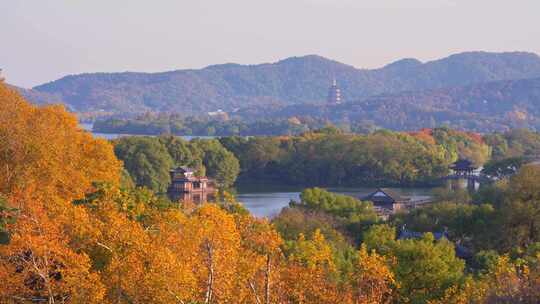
(383, 195)
(183, 169)
(462, 164)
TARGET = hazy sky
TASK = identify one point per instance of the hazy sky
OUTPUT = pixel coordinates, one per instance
(43, 40)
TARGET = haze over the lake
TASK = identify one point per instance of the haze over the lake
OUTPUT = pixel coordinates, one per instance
(45, 40)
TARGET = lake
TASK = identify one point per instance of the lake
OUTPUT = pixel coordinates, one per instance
(268, 201)
(89, 127)
(111, 136)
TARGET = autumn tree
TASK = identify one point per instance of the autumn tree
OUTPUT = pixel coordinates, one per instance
(47, 161)
(211, 241)
(260, 260)
(37, 266)
(122, 226)
(42, 149)
(310, 274)
(507, 281)
(373, 281)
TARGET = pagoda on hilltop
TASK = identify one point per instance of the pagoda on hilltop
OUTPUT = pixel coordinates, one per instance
(334, 94)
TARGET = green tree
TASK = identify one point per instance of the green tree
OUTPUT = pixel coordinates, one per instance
(425, 268)
(183, 153)
(380, 238)
(147, 161)
(504, 167)
(220, 163)
(520, 210)
(473, 226)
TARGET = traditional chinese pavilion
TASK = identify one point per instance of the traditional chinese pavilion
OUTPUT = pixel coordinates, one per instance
(463, 175)
(185, 186)
(386, 201)
(463, 167)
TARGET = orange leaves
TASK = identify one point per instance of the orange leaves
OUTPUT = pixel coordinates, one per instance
(38, 265)
(45, 161)
(211, 237)
(300, 284)
(258, 235)
(43, 150)
(425, 135)
(373, 281)
(506, 282)
(512, 282)
(310, 276)
(310, 273)
(260, 260)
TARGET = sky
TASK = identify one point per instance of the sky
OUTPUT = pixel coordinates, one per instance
(43, 40)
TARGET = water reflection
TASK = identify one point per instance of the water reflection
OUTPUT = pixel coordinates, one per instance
(270, 202)
(267, 204)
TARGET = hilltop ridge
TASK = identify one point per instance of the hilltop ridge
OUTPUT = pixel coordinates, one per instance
(290, 81)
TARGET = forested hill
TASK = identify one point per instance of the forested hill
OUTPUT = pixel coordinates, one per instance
(290, 81)
(38, 97)
(484, 107)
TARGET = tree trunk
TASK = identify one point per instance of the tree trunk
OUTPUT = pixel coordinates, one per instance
(210, 281)
(267, 280)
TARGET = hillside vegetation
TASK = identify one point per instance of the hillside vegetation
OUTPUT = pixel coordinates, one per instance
(290, 81)
(484, 107)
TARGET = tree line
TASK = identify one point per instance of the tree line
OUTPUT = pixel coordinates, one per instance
(221, 125)
(326, 157)
(331, 157)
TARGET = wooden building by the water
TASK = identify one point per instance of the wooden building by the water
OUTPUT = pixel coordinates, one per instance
(185, 186)
(386, 201)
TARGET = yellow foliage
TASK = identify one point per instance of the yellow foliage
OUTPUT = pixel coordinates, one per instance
(37, 265)
(45, 162)
(44, 151)
(505, 283)
(373, 281)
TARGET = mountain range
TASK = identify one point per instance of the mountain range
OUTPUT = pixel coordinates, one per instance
(467, 85)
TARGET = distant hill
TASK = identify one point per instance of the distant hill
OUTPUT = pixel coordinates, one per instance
(38, 97)
(483, 107)
(291, 81)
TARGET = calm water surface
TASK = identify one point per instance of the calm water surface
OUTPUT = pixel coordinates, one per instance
(268, 202)
(110, 136)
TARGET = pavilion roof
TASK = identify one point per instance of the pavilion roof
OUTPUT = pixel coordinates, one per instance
(385, 196)
(183, 169)
(462, 164)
